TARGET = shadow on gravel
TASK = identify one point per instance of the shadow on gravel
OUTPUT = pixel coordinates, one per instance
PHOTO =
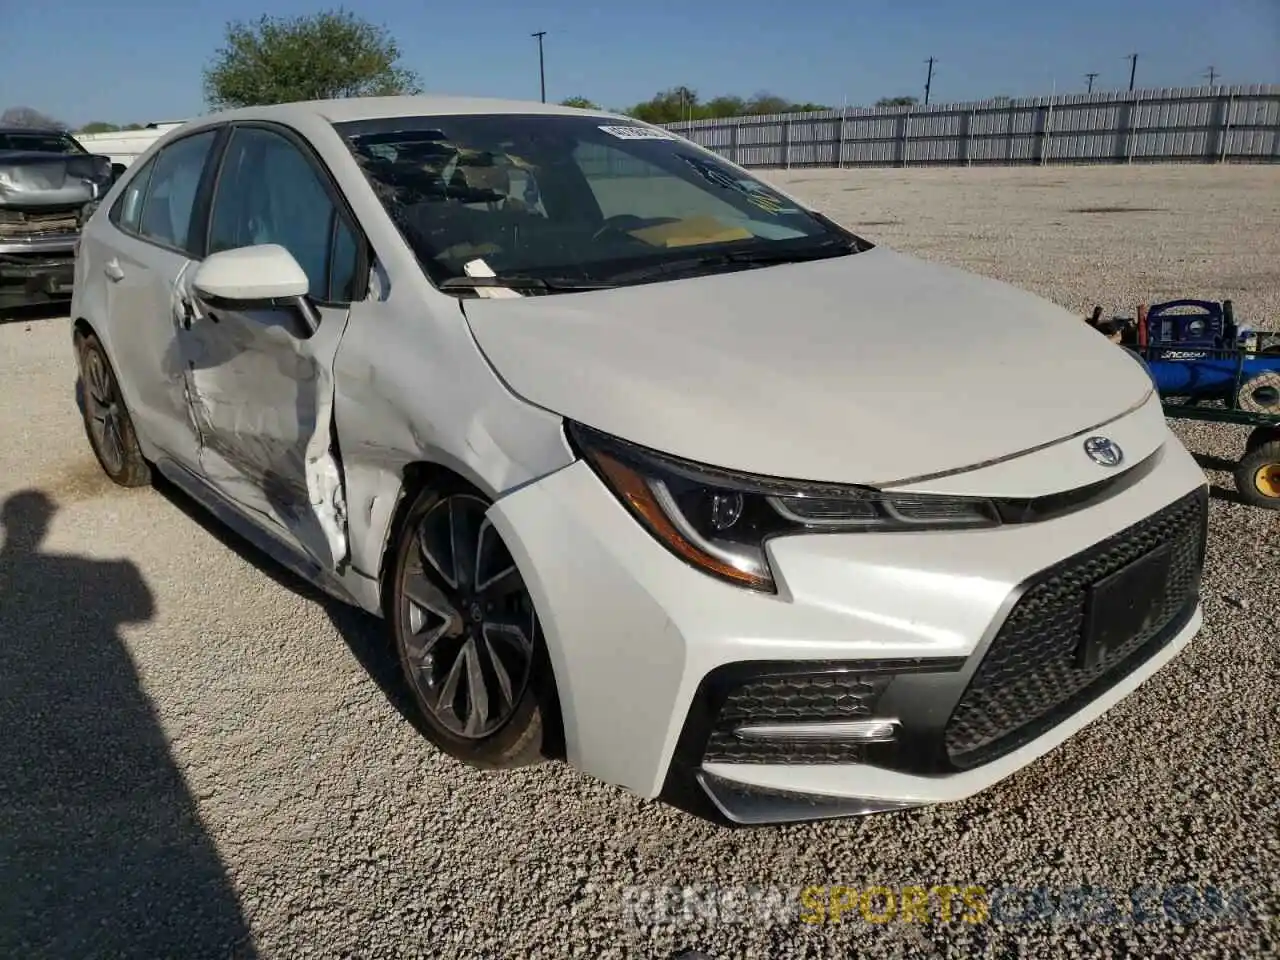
(34, 312)
(1223, 465)
(1209, 462)
(102, 852)
(364, 635)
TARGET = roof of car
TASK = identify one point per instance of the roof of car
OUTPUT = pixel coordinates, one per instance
(372, 108)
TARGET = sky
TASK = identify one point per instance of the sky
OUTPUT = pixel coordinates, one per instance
(126, 61)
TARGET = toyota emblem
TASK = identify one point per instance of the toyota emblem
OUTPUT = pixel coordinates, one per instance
(1104, 452)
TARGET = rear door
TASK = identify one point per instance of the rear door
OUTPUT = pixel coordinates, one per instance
(261, 377)
(140, 257)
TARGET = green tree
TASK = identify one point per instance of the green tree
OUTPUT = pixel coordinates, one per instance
(29, 117)
(323, 56)
(582, 103)
(98, 126)
(897, 102)
(669, 106)
(682, 103)
(765, 103)
(725, 107)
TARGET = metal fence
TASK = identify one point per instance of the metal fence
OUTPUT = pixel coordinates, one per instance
(1175, 124)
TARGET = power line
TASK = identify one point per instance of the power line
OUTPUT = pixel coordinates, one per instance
(928, 81)
(1133, 68)
(1090, 77)
(542, 73)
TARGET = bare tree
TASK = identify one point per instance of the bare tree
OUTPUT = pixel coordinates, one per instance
(29, 117)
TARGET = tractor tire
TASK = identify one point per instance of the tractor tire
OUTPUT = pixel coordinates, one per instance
(1258, 476)
(1260, 394)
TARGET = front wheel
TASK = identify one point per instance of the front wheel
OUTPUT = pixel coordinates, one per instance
(467, 634)
(1258, 476)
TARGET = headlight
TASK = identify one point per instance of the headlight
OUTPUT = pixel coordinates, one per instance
(720, 521)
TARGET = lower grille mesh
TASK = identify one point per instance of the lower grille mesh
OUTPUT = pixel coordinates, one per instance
(798, 698)
(1028, 680)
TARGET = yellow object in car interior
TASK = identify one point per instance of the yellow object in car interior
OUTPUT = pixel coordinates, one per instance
(689, 232)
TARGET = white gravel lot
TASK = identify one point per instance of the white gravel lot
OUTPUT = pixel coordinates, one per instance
(200, 758)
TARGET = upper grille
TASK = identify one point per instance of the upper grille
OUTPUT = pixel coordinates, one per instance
(795, 698)
(33, 223)
(1028, 680)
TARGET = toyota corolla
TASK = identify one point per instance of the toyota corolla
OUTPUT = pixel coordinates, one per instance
(646, 463)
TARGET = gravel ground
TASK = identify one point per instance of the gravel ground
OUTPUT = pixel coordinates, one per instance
(202, 758)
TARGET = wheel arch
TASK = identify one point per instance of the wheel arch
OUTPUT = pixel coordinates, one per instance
(415, 477)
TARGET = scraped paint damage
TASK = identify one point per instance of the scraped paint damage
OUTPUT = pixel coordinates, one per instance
(263, 400)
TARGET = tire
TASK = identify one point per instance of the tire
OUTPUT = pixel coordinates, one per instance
(1260, 435)
(1260, 394)
(1258, 476)
(107, 423)
(434, 606)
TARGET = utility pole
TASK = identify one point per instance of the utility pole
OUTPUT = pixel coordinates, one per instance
(1212, 75)
(1090, 77)
(1133, 68)
(542, 73)
(928, 81)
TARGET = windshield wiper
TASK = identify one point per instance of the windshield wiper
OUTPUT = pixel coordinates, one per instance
(524, 282)
(757, 257)
(834, 247)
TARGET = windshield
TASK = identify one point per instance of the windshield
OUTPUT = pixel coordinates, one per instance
(39, 142)
(549, 196)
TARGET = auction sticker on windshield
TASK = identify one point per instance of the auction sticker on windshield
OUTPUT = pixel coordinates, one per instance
(638, 133)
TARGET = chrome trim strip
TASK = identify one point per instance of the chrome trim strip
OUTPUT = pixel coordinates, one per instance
(889, 485)
(745, 805)
(881, 730)
(64, 243)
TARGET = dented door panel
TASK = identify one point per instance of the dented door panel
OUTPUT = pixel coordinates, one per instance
(412, 387)
(261, 393)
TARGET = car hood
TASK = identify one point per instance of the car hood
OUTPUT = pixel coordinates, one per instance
(31, 179)
(872, 368)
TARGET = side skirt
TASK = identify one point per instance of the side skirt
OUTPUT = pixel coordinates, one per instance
(351, 587)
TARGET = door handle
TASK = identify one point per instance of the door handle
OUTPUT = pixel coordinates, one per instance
(112, 269)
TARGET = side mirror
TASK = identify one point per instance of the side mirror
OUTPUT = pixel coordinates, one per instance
(117, 171)
(266, 271)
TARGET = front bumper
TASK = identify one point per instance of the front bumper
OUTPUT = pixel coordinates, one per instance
(35, 270)
(966, 639)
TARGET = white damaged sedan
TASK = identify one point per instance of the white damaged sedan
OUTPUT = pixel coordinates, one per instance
(646, 464)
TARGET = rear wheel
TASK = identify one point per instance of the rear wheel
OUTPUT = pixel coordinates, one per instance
(106, 420)
(468, 638)
(1260, 435)
(1258, 476)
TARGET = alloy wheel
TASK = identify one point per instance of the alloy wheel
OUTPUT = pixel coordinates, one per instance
(103, 409)
(468, 626)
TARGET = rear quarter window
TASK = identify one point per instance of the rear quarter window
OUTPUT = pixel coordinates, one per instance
(127, 209)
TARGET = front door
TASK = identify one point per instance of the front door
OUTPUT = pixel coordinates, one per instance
(260, 377)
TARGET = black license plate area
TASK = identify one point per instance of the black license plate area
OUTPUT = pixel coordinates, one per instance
(1122, 605)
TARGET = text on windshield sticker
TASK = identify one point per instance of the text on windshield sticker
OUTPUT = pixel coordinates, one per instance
(637, 133)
